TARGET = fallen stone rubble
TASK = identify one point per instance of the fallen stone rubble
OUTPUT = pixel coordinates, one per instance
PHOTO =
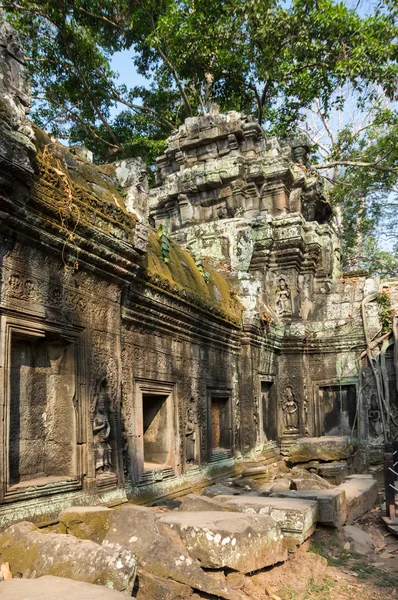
(210, 544)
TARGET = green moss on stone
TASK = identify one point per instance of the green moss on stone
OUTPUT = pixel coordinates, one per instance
(182, 277)
(87, 524)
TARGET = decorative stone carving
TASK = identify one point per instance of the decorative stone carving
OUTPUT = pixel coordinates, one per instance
(305, 411)
(290, 412)
(375, 424)
(283, 298)
(102, 431)
(190, 434)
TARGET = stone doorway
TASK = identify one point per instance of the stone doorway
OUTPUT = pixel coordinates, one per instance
(156, 445)
(220, 425)
(338, 409)
(158, 431)
(268, 425)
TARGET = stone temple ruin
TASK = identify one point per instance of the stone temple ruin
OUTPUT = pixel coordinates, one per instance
(139, 367)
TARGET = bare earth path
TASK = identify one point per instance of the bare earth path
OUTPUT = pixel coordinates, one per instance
(358, 563)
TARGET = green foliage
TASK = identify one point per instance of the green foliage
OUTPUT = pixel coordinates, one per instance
(164, 241)
(385, 313)
(261, 56)
(270, 58)
(367, 196)
(205, 274)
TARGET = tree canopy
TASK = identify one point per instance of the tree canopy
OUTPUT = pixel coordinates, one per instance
(283, 62)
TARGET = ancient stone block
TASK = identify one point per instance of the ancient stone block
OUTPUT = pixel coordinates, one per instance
(164, 556)
(217, 489)
(332, 506)
(87, 522)
(335, 472)
(326, 448)
(296, 517)
(244, 542)
(260, 472)
(152, 587)
(361, 494)
(192, 502)
(34, 553)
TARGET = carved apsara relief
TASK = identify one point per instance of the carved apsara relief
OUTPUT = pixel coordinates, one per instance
(102, 430)
(290, 411)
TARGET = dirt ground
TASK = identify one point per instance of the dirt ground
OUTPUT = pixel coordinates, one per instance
(358, 563)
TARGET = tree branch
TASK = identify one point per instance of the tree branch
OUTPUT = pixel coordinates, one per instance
(76, 117)
(100, 17)
(353, 163)
(88, 91)
(252, 87)
(176, 78)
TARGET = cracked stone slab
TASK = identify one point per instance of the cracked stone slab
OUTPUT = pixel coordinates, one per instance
(332, 505)
(243, 542)
(160, 551)
(297, 517)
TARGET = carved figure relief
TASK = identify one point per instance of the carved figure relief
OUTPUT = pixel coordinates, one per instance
(375, 424)
(19, 287)
(290, 412)
(305, 410)
(283, 300)
(102, 431)
(190, 434)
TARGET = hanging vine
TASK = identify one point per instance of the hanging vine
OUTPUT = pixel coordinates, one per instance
(67, 209)
(375, 353)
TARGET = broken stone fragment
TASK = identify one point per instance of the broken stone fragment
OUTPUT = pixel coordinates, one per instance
(280, 485)
(165, 556)
(361, 495)
(152, 587)
(304, 480)
(261, 472)
(87, 522)
(297, 518)
(327, 448)
(243, 542)
(360, 541)
(332, 507)
(35, 553)
(334, 472)
(55, 588)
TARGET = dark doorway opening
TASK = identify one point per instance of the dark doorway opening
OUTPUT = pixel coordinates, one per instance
(338, 409)
(268, 412)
